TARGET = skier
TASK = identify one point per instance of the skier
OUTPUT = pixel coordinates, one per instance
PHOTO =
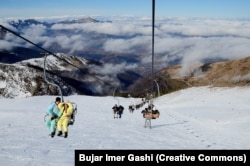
(66, 110)
(54, 113)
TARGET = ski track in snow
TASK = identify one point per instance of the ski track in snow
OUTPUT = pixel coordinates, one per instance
(196, 118)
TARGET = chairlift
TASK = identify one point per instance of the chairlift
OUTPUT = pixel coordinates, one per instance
(72, 119)
(149, 113)
(131, 107)
(117, 108)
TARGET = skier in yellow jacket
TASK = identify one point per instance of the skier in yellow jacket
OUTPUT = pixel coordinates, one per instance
(66, 109)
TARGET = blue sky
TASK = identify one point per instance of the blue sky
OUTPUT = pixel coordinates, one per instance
(189, 8)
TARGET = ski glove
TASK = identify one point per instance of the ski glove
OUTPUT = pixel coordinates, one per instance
(53, 117)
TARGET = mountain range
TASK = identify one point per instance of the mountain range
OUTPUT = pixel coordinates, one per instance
(92, 71)
(216, 74)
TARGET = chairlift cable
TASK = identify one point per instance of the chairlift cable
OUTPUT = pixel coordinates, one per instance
(25, 39)
(46, 51)
(153, 32)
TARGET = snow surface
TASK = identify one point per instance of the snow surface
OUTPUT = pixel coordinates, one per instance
(195, 118)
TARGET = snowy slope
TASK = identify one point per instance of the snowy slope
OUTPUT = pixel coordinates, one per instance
(195, 118)
(26, 78)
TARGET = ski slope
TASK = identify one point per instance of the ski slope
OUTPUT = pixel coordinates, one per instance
(195, 118)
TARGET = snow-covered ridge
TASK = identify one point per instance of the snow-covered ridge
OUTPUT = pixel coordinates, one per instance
(54, 63)
(26, 78)
(14, 81)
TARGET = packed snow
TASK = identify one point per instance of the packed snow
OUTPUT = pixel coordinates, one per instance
(195, 118)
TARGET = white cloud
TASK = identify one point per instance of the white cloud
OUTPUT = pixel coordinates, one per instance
(189, 40)
(5, 45)
(207, 27)
(107, 28)
(136, 44)
(112, 69)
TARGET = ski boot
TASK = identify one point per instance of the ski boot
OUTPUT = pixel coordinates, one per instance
(59, 133)
(52, 134)
(65, 134)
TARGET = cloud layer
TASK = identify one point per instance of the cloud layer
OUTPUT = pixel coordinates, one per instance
(185, 40)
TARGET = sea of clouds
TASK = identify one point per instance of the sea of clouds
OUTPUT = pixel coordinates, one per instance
(186, 40)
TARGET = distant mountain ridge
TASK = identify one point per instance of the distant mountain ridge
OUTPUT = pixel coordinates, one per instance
(79, 21)
(215, 74)
(22, 23)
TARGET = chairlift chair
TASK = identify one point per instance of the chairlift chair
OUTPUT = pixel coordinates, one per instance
(72, 118)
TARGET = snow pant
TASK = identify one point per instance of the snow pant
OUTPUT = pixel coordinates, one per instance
(120, 114)
(51, 124)
(62, 124)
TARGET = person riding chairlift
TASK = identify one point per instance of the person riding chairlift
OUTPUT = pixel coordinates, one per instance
(65, 116)
(53, 112)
